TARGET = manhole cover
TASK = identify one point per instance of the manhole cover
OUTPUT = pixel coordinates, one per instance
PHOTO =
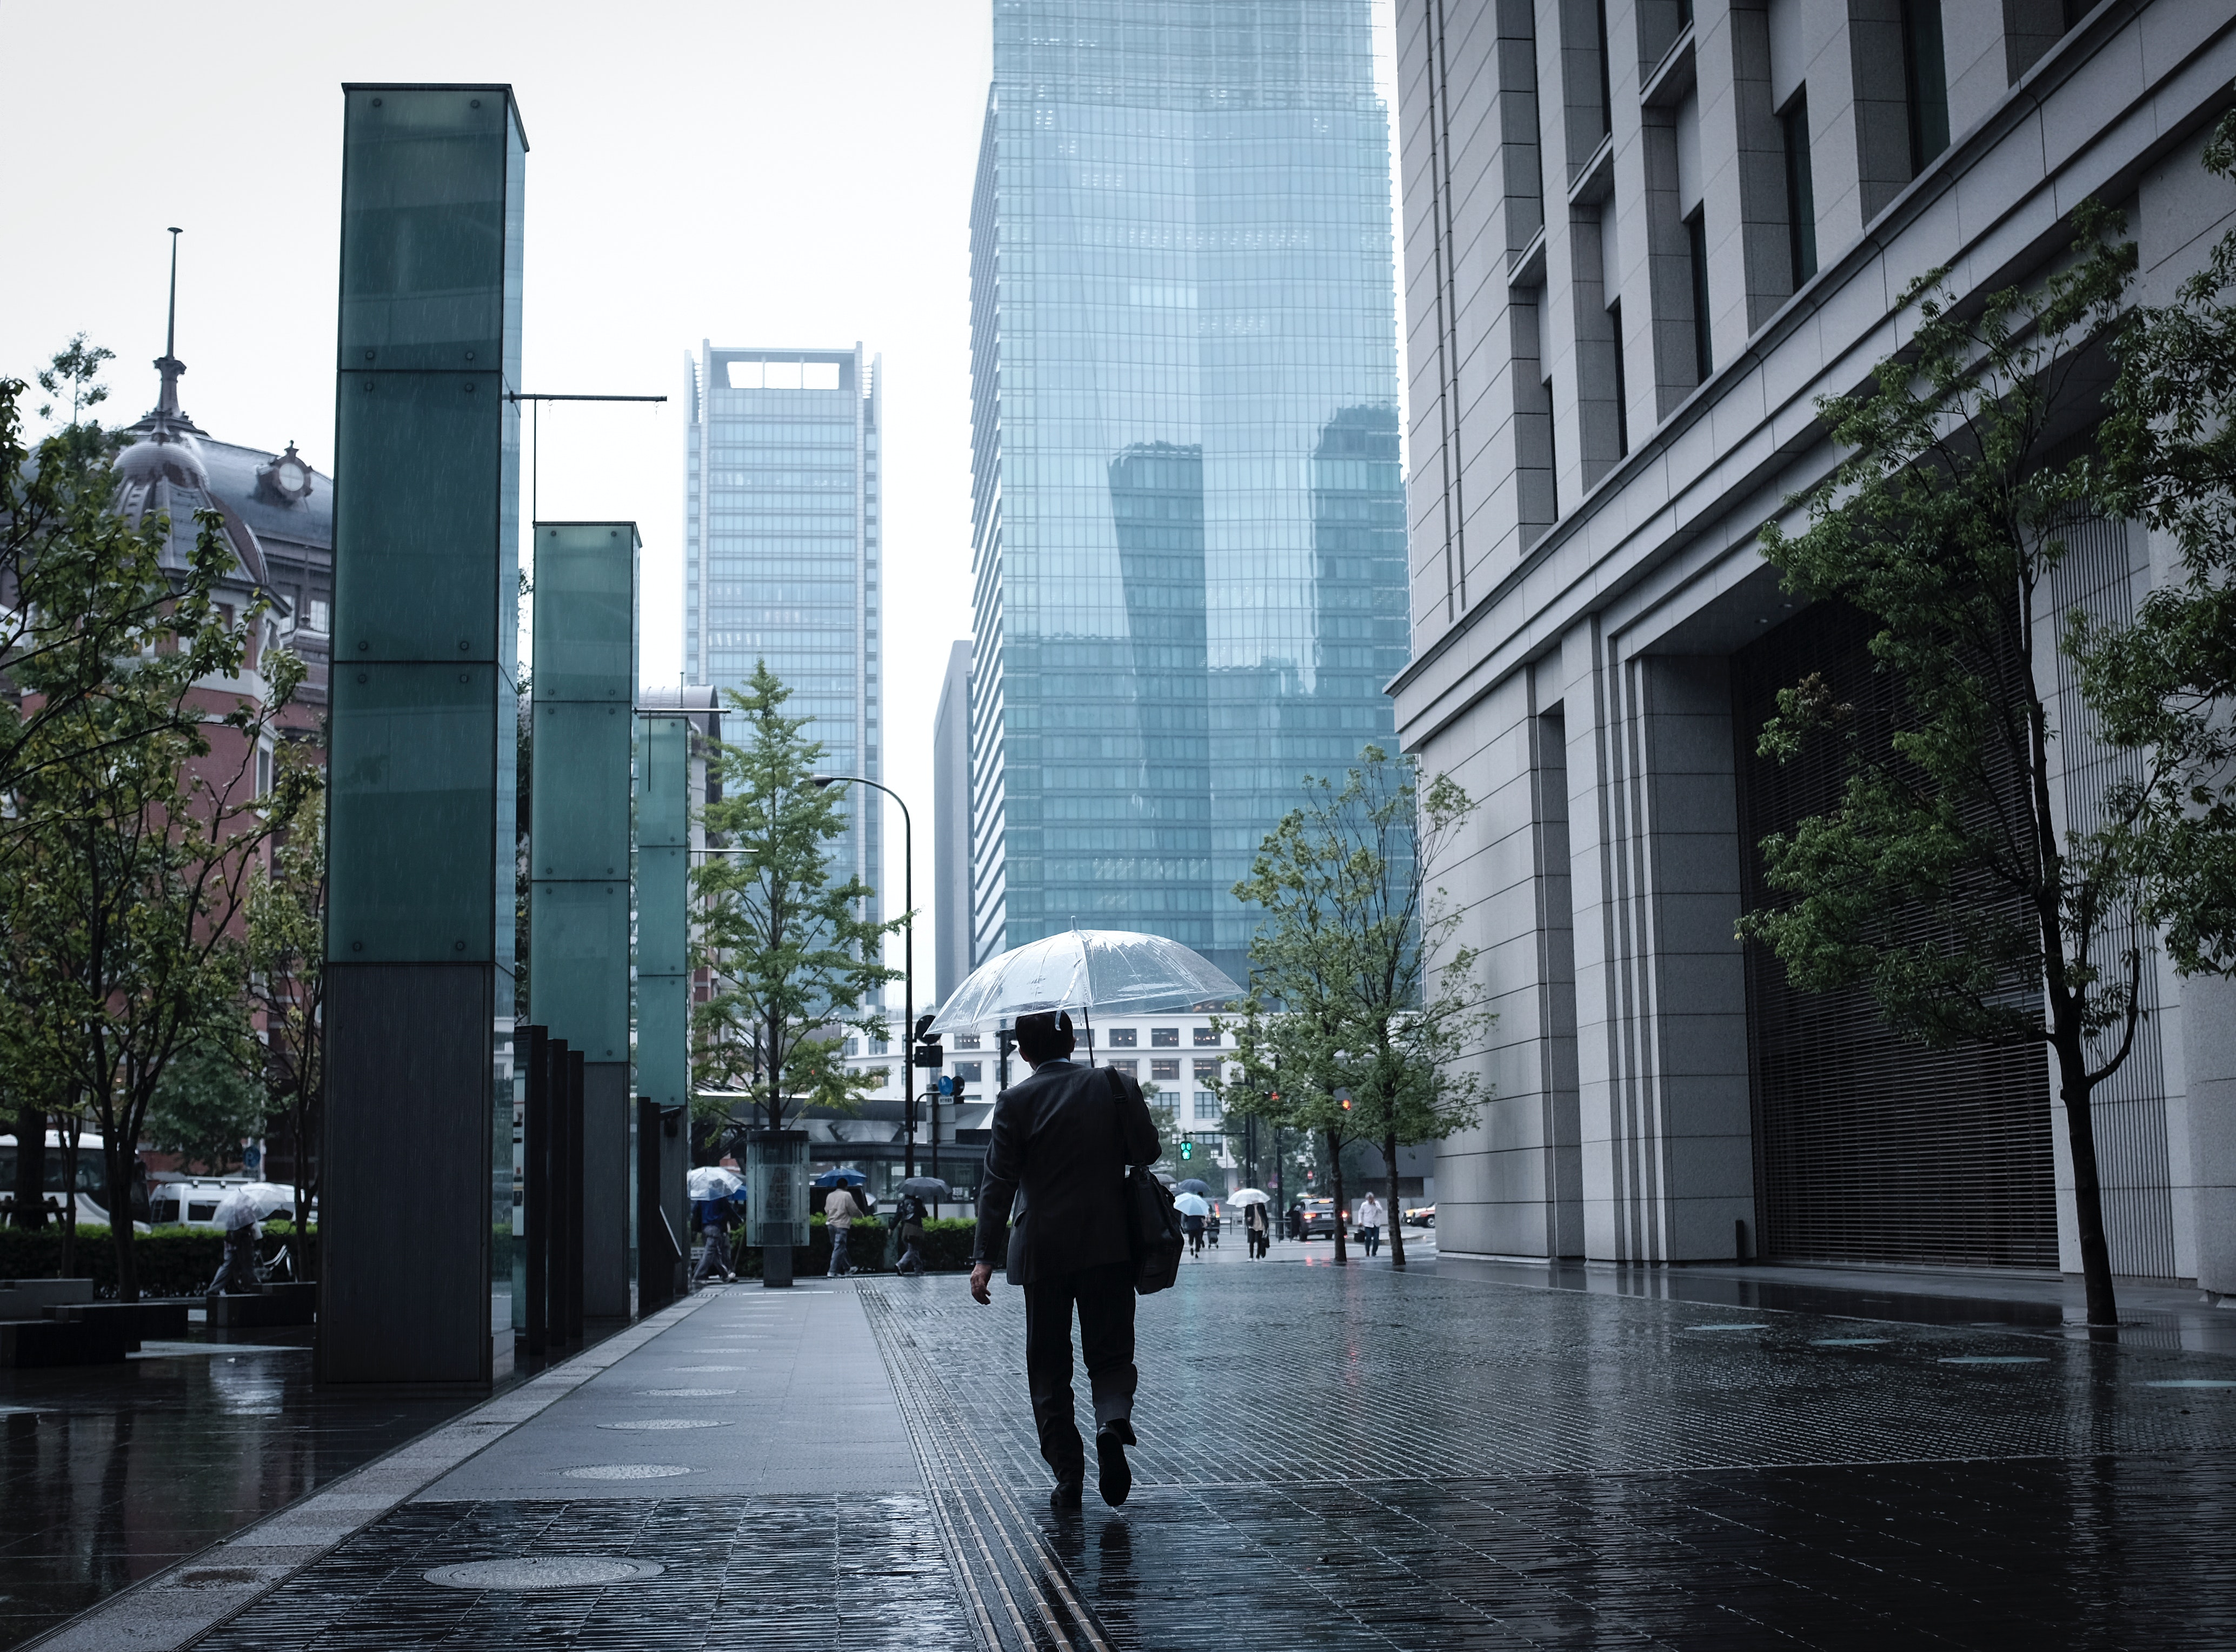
(655, 1425)
(544, 1571)
(627, 1471)
(685, 1393)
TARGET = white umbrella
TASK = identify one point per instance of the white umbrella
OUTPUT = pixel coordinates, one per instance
(712, 1181)
(1192, 1204)
(251, 1202)
(1114, 971)
(1249, 1196)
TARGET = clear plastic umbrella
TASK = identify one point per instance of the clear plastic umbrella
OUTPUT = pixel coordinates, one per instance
(1192, 1204)
(1250, 1196)
(251, 1202)
(1114, 971)
(712, 1181)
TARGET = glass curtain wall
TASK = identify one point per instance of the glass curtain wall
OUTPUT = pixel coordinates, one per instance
(1189, 524)
(781, 546)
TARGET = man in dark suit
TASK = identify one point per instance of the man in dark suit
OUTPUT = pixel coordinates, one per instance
(1062, 1139)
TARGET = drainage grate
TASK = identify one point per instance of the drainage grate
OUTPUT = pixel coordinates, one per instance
(627, 1471)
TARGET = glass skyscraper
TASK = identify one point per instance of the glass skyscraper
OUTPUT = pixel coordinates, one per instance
(1188, 514)
(780, 545)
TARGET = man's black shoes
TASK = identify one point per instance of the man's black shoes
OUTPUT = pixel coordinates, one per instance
(1066, 1496)
(1110, 1444)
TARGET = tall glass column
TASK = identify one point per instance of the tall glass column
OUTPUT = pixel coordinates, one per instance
(584, 684)
(419, 997)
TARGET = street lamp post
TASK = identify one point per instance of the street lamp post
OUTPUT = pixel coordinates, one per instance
(908, 956)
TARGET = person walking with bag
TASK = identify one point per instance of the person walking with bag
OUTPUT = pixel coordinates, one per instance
(839, 1210)
(1369, 1220)
(1256, 1227)
(1062, 1142)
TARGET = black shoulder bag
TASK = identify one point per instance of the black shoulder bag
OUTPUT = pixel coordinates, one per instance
(1153, 1224)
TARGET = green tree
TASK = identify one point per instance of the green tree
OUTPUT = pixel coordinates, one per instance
(795, 963)
(84, 590)
(205, 1106)
(2163, 684)
(134, 820)
(1361, 1005)
(1945, 884)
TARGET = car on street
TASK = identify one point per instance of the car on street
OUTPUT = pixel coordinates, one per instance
(1421, 1216)
(1319, 1219)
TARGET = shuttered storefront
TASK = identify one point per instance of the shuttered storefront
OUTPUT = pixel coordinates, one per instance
(1870, 1148)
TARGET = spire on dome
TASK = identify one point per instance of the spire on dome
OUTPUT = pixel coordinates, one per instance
(166, 403)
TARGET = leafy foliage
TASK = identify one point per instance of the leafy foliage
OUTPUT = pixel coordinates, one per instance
(1943, 524)
(795, 963)
(287, 929)
(2164, 684)
(1361, 1003)
(204, 1107)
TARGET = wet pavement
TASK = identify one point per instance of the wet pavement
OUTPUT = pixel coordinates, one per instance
(1453, 1457)
(110, 1474)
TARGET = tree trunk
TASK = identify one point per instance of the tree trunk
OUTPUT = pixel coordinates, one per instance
(31, 1168)
(118, 1158)
(1397, 1210)
(2088, 1196)
(1335, 1161)
(69, 1132)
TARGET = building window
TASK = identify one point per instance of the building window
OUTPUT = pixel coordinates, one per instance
(1124, 1038)
(263, 771)
(318, 621)
(1165, 1067)
(1925, 81)
(967, 1041)
(1606, 86)
(1206, 1072)
(1800, 190)
(1207, 1037)
(1164, 1037)
(969, 1072)
(1207, 1107)
(1621, 388)
(1696, 246)
(1130, 1067)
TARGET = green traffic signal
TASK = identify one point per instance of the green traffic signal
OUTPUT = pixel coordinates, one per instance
(1187, 1149)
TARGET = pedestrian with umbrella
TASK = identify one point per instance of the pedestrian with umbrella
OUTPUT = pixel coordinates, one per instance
(839, 1209)
(1257, 1220)
(1193, 1207)
(1094, 1229)
(242, 1214)
(713, 1206)
(909, 1214)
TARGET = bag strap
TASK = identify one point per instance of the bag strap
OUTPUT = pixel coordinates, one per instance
(1117, 1083)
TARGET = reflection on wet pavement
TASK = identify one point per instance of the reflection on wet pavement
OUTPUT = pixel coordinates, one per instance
(110, 1474)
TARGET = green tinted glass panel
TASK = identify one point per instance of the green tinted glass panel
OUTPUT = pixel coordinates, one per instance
(580, 791)
(416, 516)
(661, 898)
(413, 832)
(662, 1040)
(578, 973)
(663, 783)
(424, 222)
(585, 611)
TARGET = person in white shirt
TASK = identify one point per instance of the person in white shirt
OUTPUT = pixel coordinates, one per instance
(1368, 1220)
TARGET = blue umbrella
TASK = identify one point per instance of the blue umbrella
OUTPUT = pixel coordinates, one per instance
(1194, 1184)
(830, 1179)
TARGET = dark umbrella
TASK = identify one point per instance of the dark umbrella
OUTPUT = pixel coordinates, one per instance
(830, 1179)
(927, 1187)
(1192, 1185)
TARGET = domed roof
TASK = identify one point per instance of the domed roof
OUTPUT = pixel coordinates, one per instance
(162, 454)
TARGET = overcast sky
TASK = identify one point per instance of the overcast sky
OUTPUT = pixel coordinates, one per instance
(749, 172)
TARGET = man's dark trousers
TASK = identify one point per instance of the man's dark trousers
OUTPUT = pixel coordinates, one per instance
(1105, 1299)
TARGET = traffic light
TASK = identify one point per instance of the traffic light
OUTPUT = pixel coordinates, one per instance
(927, 1052)
(1187, 1150)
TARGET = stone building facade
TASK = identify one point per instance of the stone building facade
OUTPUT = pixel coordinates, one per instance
(1641, 238)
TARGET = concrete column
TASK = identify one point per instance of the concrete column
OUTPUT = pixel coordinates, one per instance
(420, 815)
(578, 982)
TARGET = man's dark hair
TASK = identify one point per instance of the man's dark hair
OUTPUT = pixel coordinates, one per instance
(1045, 1037)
